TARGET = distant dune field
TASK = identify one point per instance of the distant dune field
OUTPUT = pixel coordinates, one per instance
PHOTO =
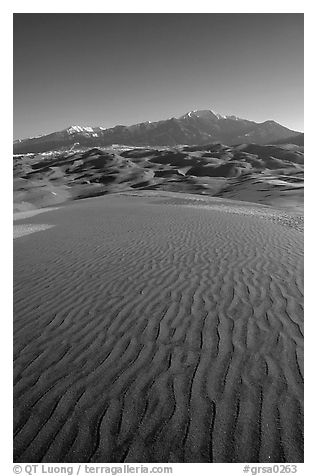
(159, 327)
(265, 174)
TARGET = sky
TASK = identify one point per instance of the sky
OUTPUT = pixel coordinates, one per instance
(110, 69)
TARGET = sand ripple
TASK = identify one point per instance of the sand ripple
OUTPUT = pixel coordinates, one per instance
(151, 332)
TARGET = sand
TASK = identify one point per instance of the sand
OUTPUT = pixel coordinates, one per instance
(28, 228)
(22, 230)
(30, 213)
(151, 329)
(264, 174)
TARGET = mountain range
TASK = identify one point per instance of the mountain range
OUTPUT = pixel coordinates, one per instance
(197, 127)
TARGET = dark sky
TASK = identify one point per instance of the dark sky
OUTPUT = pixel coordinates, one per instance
(109, 69)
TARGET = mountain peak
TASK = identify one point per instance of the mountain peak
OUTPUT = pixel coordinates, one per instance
(210, 114)
(201, 114)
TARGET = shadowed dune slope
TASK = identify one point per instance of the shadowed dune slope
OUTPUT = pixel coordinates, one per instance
(148, 330)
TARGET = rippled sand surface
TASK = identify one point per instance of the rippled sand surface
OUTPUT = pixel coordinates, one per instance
(151, 330)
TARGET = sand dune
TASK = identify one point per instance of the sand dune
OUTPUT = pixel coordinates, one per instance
(152, 328)
(268, 174)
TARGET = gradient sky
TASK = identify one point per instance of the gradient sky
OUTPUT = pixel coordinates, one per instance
(109, 69)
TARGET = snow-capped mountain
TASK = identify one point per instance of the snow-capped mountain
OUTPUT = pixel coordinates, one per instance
(193, 128)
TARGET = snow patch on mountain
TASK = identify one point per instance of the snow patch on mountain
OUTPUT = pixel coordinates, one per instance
(79, 129)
